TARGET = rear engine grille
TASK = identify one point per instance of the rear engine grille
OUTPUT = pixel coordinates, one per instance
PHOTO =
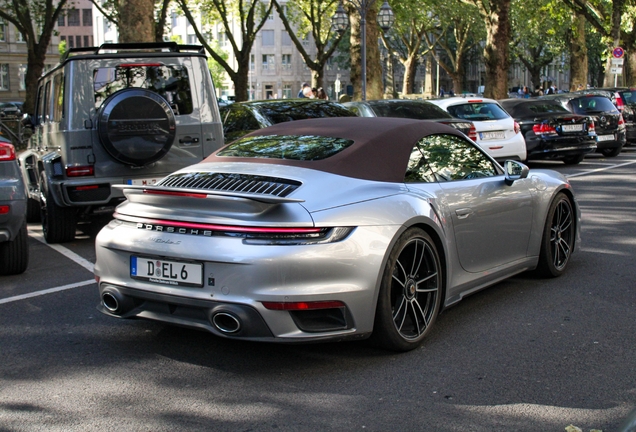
(232, 183)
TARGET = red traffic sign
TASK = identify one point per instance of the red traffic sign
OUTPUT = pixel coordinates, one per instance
(618, 52)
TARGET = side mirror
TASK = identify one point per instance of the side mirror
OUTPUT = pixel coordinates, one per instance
(26, 121)
(515, 171)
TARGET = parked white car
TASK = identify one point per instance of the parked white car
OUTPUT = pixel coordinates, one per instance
(497, 133)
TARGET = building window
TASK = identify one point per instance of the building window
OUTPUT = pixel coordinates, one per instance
(286, 39)
(87, 41)
(4, 77)
(269, 91)
(22, 76)
(78, 41)
(70, 42)
(270, 17)
(87, 17)
(61, 20)
(19, 37)
(268, 37)
(192, 39)
(287, 91)
(252, 61)
(173, 20)
(269, 62)
(3, 31)
(73, 17)
(286, 64)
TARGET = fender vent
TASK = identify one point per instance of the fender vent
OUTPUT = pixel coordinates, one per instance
(232, 183)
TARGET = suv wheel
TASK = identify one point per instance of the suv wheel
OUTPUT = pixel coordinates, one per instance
(136, 126)
(612, 152)
(58, 223)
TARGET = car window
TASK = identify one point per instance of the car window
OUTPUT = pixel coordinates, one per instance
(58, 98)
(420, 111)
(170, 82)
(236, 118)
(478, 111)
(418, 170)
(281, 112)
(451, 158)
(590, 104)
(286, 147)
(629, 96)
(536, 107)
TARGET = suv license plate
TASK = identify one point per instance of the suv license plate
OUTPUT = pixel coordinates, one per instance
(492, 135)
(173, 273)
(605, 138)
(142, 182)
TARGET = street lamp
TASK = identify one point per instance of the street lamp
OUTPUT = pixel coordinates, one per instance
(340, 21)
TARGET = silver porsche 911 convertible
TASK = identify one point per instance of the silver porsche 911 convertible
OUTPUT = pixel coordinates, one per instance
(332, 229)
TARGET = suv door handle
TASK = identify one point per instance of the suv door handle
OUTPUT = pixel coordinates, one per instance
(188, 140)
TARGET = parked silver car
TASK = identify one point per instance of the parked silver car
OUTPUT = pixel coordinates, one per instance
(328, 229)
(14, 249)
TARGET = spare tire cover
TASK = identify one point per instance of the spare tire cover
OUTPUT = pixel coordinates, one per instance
(136, 126)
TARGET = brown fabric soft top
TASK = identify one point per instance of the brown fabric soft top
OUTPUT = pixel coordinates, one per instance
(380, 152)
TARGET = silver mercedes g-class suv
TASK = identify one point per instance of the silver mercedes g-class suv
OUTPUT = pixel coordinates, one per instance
(116, 114)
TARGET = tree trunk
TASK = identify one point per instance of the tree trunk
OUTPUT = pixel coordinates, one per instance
(241, 77)
(410, 70)
(374, 65)
(35, 67)
(496, 51)
(136, 21)
(317, 77)
(578, 54)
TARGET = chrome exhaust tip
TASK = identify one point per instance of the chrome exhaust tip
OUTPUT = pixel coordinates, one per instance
(110, 302)
(226, 322)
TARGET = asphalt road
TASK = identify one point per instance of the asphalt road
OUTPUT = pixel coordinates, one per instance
(525, 355)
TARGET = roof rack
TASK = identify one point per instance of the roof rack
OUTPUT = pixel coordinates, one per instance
(133, 47)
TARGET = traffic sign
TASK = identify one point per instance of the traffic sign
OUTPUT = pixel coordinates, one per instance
(616, 70)
(618, 61)
(618, 52)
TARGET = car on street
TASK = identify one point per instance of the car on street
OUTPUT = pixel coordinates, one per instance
(410, 108)
(608, 120)
(551, 131)
(10, 109)
(331, 229)
(118, 113)
(497, 132)
(240, 118)
(14, 248)
(625, 100)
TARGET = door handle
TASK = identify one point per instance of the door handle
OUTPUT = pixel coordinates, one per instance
(188, 140)
(463, 213)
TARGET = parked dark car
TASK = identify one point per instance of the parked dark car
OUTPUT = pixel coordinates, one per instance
(413, 109)
(14, 251)
(551, 131)
(608, 120)
(625, 100)
(240, 118)
(10, 109)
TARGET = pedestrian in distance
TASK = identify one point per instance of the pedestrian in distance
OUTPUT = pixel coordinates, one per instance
(322, 94)
(301, 93)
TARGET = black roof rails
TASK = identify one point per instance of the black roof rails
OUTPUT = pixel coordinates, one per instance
(137, 46)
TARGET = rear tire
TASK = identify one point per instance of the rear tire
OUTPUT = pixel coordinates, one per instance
(558, 237)
(58, 223)
(410, 293)
(14, 255)
(573, 160)
(612, 152)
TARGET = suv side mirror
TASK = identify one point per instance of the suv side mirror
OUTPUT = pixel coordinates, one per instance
(515, 171)
(27, 121)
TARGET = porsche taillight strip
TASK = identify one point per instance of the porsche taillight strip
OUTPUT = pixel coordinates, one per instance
(153, 224)
(295, 306)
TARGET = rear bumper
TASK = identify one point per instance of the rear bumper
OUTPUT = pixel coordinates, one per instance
(558, 148)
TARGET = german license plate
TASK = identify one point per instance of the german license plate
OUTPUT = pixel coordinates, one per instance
(142, 182)
(572, 128)
(492, 135)
(175, 273)
(605, 138)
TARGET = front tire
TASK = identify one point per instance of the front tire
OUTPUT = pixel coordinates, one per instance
(58, 223)
(14, 255)
(558, 237)
(410, 293)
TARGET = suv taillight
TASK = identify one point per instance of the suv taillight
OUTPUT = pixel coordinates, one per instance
(591, 129)
(621, 121)
(472, 133)
(544, 129)
(517, 128)
(7, 152)
(80, 170)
